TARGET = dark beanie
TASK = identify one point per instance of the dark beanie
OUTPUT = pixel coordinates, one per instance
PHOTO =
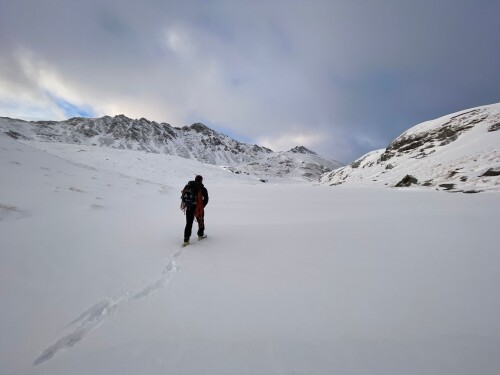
(198, 179)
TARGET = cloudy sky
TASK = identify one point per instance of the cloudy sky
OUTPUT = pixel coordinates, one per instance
(340, 77)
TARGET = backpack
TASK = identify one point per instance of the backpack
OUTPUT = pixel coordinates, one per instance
(189, 195)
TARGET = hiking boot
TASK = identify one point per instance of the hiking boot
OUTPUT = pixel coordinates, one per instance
(202, 237)
(185, 243)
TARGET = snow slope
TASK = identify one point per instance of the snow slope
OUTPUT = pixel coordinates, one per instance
(457, 152)
(292, 279)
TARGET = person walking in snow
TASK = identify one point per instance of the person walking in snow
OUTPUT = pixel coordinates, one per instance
(194, 199)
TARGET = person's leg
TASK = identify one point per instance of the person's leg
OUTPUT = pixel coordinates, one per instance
(189, 224)
(201, 226)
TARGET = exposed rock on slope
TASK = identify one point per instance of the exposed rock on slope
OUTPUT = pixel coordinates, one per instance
(458, 152)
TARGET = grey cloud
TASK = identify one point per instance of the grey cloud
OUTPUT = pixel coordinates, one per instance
(358, 73)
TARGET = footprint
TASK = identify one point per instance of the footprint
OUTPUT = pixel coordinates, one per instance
(9, 212)
(169, 267)
(172, 266)
(88, 320)
(93, 317)
(72, 188)
(147, 291)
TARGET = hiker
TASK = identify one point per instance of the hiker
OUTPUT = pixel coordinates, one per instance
(194, 199)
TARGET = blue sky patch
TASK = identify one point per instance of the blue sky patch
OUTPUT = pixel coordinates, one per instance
(72, 110)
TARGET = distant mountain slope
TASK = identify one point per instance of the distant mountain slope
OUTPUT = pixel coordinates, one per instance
(299, 162)
(457, 152)
(192, 142)
(196, 142)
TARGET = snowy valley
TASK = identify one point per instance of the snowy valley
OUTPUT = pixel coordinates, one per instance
(295, 277)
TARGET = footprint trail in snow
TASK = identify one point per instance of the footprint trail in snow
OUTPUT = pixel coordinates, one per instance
(95, 315)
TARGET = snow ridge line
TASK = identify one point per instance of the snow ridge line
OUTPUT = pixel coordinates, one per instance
(95, 315)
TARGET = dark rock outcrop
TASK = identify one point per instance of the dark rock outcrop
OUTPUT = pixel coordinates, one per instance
(16, 135)
(491, 172)
(406, 181)
(443, 135)
(302, 150)
(494, 127)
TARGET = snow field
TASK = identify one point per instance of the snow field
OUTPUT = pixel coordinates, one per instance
(292, 278)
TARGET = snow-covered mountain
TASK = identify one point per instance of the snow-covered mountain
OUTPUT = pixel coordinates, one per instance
(299, 162)
(457, 152)
(192, 142)
(197, 142)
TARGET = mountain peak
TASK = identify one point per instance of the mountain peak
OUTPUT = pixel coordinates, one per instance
(200, 128)
(122, 117)
(302, 150)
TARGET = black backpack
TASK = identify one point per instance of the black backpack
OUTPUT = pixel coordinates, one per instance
(189, 195)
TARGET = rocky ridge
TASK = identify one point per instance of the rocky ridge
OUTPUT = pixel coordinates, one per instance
(196, 141)
(192, 142)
